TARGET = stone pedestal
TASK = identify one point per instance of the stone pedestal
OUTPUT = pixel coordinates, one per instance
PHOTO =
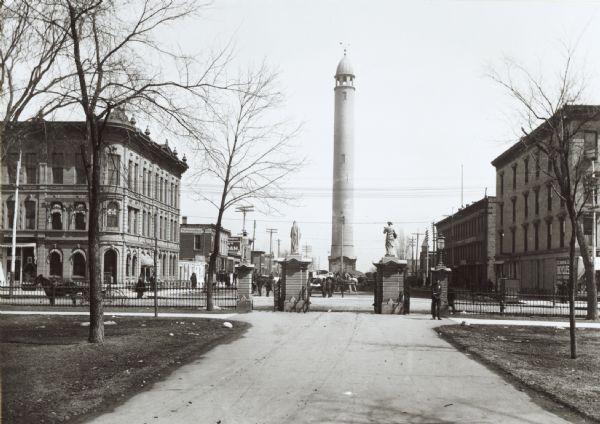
(442, 275)
(244, 287)
(389, 287)
(293, 295)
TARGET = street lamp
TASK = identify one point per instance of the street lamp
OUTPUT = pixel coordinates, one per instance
(440, 244)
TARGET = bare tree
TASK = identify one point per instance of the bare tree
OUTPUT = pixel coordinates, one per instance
(30, 71)
(249, 153)
(119, 63)
(557, 128)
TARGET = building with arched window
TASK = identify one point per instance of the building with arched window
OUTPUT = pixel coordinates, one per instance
(139, 198)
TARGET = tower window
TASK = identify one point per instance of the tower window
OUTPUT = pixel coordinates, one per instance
(343, 158)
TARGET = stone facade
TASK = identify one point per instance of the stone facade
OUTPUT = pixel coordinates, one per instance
(139, 195)
(532, 226)
(470, 244)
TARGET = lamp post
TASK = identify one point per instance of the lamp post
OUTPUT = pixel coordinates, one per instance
(440, 245)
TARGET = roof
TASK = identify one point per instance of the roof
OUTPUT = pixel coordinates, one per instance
(344, 67)
(468, 210)
(540, 132)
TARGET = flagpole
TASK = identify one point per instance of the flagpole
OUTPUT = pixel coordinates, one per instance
(14, 229)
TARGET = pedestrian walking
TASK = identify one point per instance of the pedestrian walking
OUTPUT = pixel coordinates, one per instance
(406, 300)
(140, 287)
(269, 284)
(436, 300)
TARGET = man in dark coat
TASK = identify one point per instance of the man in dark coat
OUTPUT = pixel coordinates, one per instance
(194, 280)
(436, 300)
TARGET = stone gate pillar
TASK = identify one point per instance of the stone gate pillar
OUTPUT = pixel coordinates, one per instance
(244, 287)
(293, 292)
(442, 275)
(389, 287)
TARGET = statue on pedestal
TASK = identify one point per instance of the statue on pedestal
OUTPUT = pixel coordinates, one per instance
(390, 239)
(295, 237)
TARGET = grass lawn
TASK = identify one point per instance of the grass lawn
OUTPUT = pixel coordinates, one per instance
(51, 374)
(538, 358)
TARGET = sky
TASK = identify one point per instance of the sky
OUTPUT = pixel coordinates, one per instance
(425, 105)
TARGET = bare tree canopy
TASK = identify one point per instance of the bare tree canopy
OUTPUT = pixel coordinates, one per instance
(248, 151)
(556, 136)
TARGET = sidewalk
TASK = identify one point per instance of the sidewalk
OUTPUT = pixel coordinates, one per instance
(529, 323)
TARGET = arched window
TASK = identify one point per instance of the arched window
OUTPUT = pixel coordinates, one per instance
(56, 268)
(112, 215)
(164, 265)
(78, 265)
(134, 265)
(128, 265)
(80, 216)
(56, 215)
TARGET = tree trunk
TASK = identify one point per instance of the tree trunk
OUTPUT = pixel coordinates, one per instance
(592, 292)
(572, 283)
(96, 334)
(213, 260)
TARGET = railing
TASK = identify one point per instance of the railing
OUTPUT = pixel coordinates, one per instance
(171, 294)
(515, 302)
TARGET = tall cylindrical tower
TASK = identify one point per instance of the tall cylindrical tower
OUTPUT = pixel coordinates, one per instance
(342, 217)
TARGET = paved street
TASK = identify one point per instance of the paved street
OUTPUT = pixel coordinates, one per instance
(332, 368)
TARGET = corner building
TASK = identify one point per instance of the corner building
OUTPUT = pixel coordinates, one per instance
(532, 225)
(139, 194)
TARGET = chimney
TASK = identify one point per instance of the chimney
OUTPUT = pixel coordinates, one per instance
(184, 220)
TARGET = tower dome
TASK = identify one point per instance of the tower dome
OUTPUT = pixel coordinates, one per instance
(344, 67)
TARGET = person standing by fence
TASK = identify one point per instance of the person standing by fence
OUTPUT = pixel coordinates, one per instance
(194, 280)
(436, 300)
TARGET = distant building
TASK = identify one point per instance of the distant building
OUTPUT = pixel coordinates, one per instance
(139, 193)
(532, 226)
(470, 243)
(198, 239)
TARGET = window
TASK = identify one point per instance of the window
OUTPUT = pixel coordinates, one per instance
(57, 168)
(548, 235)
(590, 142)
(113, 164)
(197, 242)
(513, 239)
(80, 216)
(112, 215)
(135, 177)
(29, 215)
(526, 201)
(536, 236)
(130, 224)
(10, 216)
(525, 241)
(56, 215)
(80, 177)
(31, 167)
(128, 265)
(144, 177)
(78, 265)
(549, 199)
(55, 264)
(502, 184)
(537, 164)
(526, 164)
(130, 175)
(514, 209)
(13, 159)
(156, 187)
(514, 169)
(562, 232)
(537, 201)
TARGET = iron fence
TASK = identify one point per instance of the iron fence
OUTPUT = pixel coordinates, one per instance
(516, 302)
(172, 294)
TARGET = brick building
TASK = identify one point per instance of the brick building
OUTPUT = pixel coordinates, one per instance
(470, 243)
(139, 192)
(198, 240)
(532, 226)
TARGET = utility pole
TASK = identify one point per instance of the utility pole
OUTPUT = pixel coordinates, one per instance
(271, 231)
(307, 248)
(426, 257)
(278, 246)
(254, 234)
(244, 210)
(411, 243)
